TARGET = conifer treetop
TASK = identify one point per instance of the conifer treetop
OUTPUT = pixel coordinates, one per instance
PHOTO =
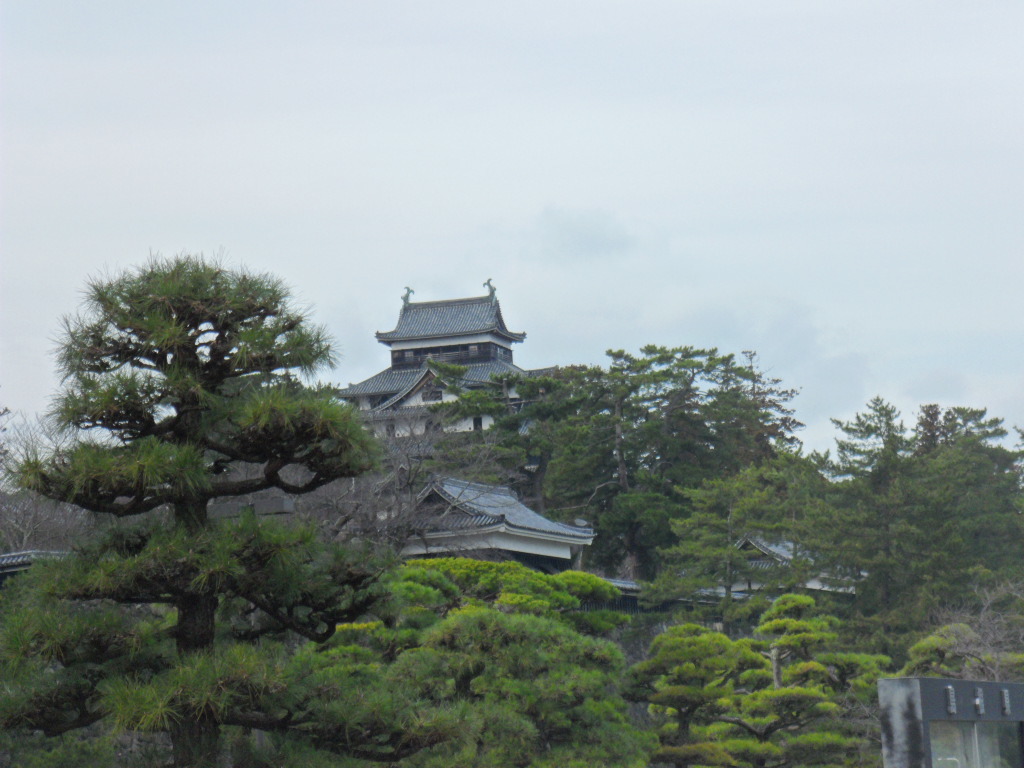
(177, 371)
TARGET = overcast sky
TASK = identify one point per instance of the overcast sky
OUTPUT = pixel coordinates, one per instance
(838, 185)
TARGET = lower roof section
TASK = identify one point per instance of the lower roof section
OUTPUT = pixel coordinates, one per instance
(462, 517)
(396, 382)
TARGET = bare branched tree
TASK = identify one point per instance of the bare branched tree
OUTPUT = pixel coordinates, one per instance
(27, 520)
(382, 506)
(983, 640)
(5, 414)
(386, 506)
(989, 636)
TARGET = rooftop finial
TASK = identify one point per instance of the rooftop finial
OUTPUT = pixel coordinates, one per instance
(405, 299)
(491, 289)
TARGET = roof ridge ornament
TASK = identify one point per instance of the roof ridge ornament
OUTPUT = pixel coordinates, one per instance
(405, 298)
(491, 289)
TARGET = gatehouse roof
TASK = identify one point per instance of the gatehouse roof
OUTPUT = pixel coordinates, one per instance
(483, 506)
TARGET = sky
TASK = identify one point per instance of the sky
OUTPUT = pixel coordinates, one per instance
(836, 185)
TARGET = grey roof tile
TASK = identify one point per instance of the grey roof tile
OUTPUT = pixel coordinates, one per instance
(454, 317)
(396, 382)
(17, 560)
(482, 372)
(624, 585)
(782, 551)
(388, 381)
(487, 505)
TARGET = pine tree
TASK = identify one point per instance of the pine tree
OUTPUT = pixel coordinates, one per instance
(511, 650)
(769, 701)
(182, 385)
(758, 505)
(914, 516)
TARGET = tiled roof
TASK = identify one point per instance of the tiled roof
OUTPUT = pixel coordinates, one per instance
(454, 317)
(627, 586)
(550, 370)
(482, 372)
(398, 382)
(386, 382)
(19, 560)
(781, 551)
(486, 505)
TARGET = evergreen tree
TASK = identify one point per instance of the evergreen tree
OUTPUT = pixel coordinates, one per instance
(620, 445)
(512, 652)
(690, 673)
(764, 702)
(797, 715)
(748, 413)
(715, 551)
(913, 517)
(969, 486)
(182, 386)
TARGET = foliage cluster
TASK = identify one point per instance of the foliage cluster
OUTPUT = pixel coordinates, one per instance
(184, 385)
(503, 642)
(685, 462)
(777, 698)
(621, 445)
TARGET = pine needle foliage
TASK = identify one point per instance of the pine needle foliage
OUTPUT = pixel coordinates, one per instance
(500, 644)
(183, 383)
(775, 700)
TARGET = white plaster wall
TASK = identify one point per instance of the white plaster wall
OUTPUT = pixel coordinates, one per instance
(479, 338)
(506, 540)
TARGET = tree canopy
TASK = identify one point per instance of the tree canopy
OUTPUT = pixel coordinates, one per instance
(186, 382)
(621, 445)
(513, 651)
(771, 700)
(183, 384)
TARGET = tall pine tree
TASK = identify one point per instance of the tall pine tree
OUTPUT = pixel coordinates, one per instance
(182, 385)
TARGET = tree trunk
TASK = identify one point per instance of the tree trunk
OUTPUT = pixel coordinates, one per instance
(537, 479)
(776, 657)
(191, 515)
(620, 448)
(194, 632)
(195, 736)
(631, 565)
(195, 742)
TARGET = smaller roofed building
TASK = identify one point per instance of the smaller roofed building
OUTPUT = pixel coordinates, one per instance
(467, 332)
(766, 556)
(12, 563)
(467, 519)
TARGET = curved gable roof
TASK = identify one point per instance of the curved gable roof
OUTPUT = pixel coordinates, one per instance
(390, 381)
(398, 383)
(454, 317)
(489, 505)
